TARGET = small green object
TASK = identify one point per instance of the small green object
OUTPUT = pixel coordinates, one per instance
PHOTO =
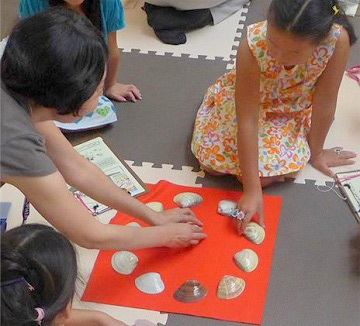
(103, 111)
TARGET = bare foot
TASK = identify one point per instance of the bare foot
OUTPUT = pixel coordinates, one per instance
(211, 171)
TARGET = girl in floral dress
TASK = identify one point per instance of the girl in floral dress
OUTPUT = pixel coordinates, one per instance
(270, 115)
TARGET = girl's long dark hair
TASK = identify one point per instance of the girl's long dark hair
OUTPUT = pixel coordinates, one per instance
(91, 9)
(39, 256)
(309, 18)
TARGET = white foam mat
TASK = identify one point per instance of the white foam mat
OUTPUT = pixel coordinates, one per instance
(344, 132)
(210, 41)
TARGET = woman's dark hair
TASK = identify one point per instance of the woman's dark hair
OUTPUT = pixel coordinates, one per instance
(39, 256)
(91, 9)
(309, 18)
(55, 58)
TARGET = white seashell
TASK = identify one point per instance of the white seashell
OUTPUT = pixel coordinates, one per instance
(188, 199)
(230, 287)
(150, 283)
(156, 206)
(124, 262)
(254, 233)
(134, 225)
(247, 260)
(226, 207)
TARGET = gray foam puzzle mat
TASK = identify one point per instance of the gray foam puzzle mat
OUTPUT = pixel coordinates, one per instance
(315, 276)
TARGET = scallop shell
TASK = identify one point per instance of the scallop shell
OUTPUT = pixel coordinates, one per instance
(150, 283)
(190, 291)
(156, 206)
(247, 260)
(134, 225)
(124, 262)
(187, 199)
(226, 207)
(254, 233)
(230, 287)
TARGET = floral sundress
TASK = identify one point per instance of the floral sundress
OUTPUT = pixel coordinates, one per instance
(285, 111)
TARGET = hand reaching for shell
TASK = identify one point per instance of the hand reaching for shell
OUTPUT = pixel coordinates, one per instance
(178, 215)
(183, 235)
(250, 204)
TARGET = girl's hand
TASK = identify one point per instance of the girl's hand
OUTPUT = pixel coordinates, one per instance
(250, 204)
(177, 215)
(331, 158)
(122, 93)
(183, 235)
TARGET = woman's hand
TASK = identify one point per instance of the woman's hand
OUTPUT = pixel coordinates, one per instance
(122, 93)
(250, 203)
(177, 215)
(183, 235)
(331, 158)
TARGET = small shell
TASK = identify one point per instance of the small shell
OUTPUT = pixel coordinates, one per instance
(230, 287)
(254, 233)
(124, 262)
(134, 225)
(226, 207)
(150, 283)
(156, 206)
(187, 199)
(190, 291)
(247, 260)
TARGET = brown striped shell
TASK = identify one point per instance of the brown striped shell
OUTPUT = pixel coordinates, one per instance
(190, 291)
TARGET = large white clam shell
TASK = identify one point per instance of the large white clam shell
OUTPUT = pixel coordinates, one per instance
(124, 262)
(188, 199)
(247, 260)
(134, 225)
(150, 283)
(226, 207)
(254, 233)
(156, 206)
(230, 287)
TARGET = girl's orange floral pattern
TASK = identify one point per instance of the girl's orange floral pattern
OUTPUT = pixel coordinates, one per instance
(285, 111)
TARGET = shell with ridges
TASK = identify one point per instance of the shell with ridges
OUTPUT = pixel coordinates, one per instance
(247, 260)
(156, 206)
(188, 199)
(124, 262)
(226, 207)
(190, 291)
(254, 233)
(230, 287)
(150, 283)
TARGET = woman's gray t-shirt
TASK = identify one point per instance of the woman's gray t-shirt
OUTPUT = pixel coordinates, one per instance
(23, 150)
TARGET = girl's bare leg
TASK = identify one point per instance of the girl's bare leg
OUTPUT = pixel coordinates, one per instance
(211, 171)
(265, 182)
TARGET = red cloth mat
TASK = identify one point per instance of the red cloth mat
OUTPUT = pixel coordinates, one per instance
(207, 262)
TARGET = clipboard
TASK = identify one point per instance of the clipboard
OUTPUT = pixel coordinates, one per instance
(349, 185)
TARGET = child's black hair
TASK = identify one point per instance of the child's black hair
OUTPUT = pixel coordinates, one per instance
(56, 59)
(91, 9)
(38, 256)
(309, 18)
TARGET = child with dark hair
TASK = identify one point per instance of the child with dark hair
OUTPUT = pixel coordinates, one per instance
(270, 115)
(43, 81)
(38, 276)
(108, 17)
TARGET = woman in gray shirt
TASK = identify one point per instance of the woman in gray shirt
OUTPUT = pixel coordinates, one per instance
(53, 68)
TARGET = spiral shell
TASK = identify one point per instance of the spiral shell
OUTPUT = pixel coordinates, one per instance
(247, 260)
(254, 233)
